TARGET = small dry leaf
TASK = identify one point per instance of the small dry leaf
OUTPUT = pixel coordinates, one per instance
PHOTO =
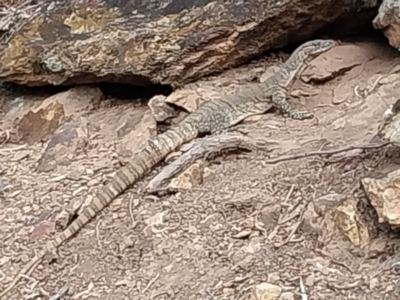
(85, 292)
(20, 155)
(310, 280)
(4, 260)
(155, 220)
(265, 291)
(244, 233)
(228, 291)
(129, 283)
(373, 283)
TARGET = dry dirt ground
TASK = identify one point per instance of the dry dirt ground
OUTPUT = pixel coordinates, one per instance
(248, 222)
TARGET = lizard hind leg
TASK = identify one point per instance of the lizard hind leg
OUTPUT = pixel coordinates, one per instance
(280, 102)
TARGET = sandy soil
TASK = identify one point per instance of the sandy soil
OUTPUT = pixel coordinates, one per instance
(247, 223)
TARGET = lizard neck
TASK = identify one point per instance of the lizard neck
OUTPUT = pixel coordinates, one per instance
(293, 66)
(290, 68)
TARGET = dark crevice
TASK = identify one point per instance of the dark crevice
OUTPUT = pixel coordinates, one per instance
(367, 35)
(350, 27)
(122, 91)
(19, 90)
(130, 92)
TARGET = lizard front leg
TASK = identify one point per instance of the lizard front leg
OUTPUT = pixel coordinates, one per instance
(280, 102)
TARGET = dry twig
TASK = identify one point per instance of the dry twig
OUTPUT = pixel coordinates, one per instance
(303, 290)
(60, 293)
(289, 238)
(201, 148)
(324, 152)
(151, 283)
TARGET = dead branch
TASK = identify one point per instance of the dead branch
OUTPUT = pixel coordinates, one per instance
(60, 293)
(200, 148)
(324, 152)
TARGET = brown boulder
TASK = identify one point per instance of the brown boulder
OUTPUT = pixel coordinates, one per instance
(388, 19)
(167, 42)
(39, 123)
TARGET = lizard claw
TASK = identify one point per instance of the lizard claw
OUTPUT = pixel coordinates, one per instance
(300, 115)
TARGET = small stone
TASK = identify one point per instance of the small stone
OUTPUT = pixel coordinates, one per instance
(160, 109)
(373, 283)
(349, 221)
(264, 291)
(93, 182)
(310, 280)
(191, 177)
(75, 175)
(287, 296)
(274, 277)
(389, 288)
(228, 291)
(26, 209)
(208, 173)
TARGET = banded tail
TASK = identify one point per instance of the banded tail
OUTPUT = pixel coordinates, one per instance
(155, 150)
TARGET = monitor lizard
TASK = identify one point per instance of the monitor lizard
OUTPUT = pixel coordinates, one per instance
(211, 117)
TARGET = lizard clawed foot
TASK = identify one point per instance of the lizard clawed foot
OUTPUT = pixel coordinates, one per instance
(300, 115)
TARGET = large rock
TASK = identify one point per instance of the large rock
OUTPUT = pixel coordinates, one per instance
(38, 123)
(384, 195)
(388, 19)
(165, 41)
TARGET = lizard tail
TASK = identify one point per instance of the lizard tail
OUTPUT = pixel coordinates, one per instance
(155, 150)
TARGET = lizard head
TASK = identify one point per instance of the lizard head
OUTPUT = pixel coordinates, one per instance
(315, 47)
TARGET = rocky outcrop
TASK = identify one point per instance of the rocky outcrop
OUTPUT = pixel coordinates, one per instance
(166, 41)
(388, 19)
